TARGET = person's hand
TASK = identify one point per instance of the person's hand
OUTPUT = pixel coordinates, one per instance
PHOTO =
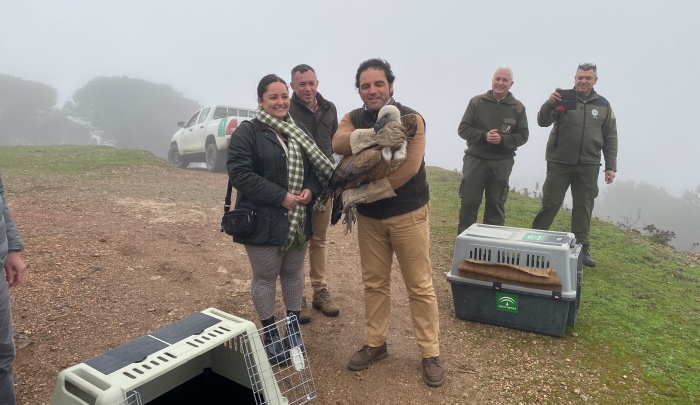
(609, 176)
(305, 196)
(554, 97)
(290, 201)
(493, 137)
(14, 269)
(391, 134)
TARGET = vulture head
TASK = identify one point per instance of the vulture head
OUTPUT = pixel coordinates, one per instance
(386, 114)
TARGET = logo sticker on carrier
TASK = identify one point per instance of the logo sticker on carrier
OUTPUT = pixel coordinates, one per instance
(507, 302)
(546, 238)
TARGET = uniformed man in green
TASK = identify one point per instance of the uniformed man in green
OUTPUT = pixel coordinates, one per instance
(574, 155)
(494, 126)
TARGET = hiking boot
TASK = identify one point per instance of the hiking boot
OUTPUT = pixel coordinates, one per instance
(586, 258)
(366, 356)
(323, 302)
(433, 374)
(304, 314)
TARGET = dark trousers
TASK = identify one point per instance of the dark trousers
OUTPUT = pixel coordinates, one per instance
(583, 180)
(484, 176)
(7, 347)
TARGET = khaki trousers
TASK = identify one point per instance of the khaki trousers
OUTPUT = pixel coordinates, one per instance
(408, 236)
(318, 263)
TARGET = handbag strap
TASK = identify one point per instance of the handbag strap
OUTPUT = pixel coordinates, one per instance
(257, 168)
(227, 200)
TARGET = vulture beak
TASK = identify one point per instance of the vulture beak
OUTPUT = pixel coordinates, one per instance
(381, 122)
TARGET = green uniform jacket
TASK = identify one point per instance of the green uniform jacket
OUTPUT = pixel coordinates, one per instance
(483, 114)
(579, 135)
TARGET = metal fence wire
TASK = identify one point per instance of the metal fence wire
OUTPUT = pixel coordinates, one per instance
(292, 376)
(132, 398)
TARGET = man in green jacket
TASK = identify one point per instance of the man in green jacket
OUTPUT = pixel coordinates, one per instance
(320, 117)
(574, 155)
(494, 125)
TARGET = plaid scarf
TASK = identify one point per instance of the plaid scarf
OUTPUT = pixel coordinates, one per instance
(298, 140)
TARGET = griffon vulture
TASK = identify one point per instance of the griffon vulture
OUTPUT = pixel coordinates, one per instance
(373, 163)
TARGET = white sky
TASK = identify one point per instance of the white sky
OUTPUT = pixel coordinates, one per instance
(442, 52)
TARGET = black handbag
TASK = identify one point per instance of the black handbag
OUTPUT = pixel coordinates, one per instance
(238, 222)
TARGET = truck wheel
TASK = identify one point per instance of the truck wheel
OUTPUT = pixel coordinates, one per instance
(174, 158)
(215, 159)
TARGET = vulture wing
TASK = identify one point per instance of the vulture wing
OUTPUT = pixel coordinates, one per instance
(410, 123)
(369, 165)
(353, 169)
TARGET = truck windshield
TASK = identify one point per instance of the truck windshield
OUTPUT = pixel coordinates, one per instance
(203, 115)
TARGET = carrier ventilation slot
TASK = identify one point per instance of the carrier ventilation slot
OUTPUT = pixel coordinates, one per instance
(132, 374)
(508, 257)
(483, 255)
(537, 261)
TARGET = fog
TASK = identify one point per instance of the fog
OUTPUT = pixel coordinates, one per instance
(442, 52)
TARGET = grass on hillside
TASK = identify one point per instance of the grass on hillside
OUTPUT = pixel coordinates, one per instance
(69, 159)
(640, 311)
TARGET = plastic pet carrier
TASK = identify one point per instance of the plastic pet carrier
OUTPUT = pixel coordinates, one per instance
(211, 357)
(524, 279)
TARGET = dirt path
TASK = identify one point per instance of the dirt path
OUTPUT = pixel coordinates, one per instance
(111, 260)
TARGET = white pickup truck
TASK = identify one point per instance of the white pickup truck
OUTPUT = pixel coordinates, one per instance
(204, 138)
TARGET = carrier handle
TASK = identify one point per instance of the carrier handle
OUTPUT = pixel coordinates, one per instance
(84, 385)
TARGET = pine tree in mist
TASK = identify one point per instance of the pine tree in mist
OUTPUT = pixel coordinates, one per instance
(28, 115)
(130, 113)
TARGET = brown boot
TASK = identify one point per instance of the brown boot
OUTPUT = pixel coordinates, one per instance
(324, 303)
(433, 374)
(366, 356)
(304, 314)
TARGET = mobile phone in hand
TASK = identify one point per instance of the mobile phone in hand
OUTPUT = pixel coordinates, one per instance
(568, 100)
